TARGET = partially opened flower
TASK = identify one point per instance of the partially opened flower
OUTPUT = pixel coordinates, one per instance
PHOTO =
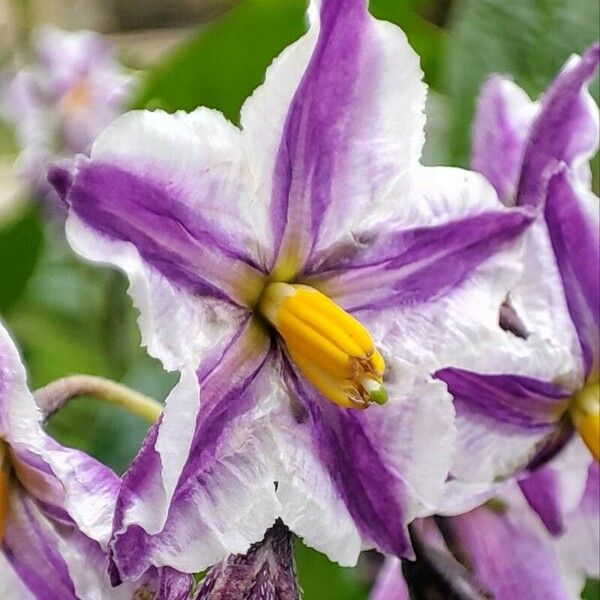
(294, 271)
(60, 103)
(56, 508)
(517, 407)
(503, 550)
(266, 571)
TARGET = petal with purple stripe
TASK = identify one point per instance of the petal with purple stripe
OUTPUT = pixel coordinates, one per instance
(179, 241)
(565, 129)
(541, 491)
(507, 556)
(415, 266)
(62, 477)
(502, 420)
(54, 560)
(509, 399)
(193, 167)
(573, 219)
(502, 120)
(30, 545)
(374, 460)
(500, 429)
(344, 107)
(212, 494)
(555, 490)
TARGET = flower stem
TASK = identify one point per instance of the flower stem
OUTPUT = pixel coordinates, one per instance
(51, 397)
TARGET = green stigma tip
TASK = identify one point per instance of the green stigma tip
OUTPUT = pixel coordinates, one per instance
(379, 396)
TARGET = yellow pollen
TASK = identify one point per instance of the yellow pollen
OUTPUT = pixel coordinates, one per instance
(4, 481)
(585, 412)
(331, 348)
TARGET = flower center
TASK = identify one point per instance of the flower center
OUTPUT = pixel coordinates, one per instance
(585, 412)
(4, 481)
(331, 348)
(76, 98)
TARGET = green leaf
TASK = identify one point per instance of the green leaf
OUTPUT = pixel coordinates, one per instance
(227, 60)
(592, 590)
(528, 40)
(20, 246)
(320, 578)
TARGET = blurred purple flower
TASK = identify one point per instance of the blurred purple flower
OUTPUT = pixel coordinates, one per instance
(59, 104)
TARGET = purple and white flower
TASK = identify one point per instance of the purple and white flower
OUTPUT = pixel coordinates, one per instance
(292, 270)
(503, 549)
(60, 104)
(56, 508)
(517, 404)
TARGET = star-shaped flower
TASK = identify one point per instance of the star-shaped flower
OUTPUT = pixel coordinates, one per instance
(294, 270)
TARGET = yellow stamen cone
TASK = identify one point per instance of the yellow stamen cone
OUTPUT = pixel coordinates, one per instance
(585, 412)
(331, 348)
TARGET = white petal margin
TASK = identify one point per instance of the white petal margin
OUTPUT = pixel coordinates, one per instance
(83, 487)
(385, 128)
(416, 433)
(219, 510)
(176, 326)
(195, 150)
(178, 422)
(415, 437)
(11, 586)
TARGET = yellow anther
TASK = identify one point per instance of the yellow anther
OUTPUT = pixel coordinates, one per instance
(306, 340)
(378, 361)
(331, 348)
(4, 481)
(585, 412)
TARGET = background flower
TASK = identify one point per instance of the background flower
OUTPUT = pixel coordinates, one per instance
(521, 404)
(59, 103)
(56, 506)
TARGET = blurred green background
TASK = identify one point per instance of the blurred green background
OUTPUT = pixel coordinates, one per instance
(69, 317)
